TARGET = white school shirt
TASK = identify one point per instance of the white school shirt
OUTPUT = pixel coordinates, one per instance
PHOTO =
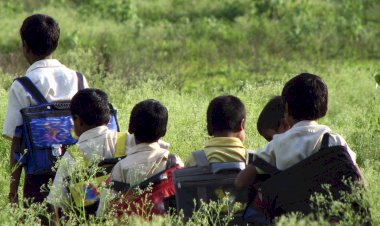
(143, 160)
(55, 82)
(298, 143)
(96, 144)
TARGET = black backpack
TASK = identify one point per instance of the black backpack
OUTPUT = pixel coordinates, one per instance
(207, 181)
(290, 190)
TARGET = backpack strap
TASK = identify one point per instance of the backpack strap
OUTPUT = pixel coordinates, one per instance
(201, 158)
(325, 141)
(171, 161)
(119, 186)
(80, 81)
(32, 89)
(121, 140)
(262, 164)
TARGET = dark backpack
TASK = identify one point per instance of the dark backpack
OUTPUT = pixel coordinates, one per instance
(157, 201)
(207, 181)
(47, 130)
(290, 190)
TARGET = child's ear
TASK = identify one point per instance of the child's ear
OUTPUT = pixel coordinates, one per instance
(78, 120)
(242, 124)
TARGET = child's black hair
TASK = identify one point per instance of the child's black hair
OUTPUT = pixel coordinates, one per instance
(306, 96)
(225, 114)
(92, 106)
(271, 115)
(148, 121)
(41, 34)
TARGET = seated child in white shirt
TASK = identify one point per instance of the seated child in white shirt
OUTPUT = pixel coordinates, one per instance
(148, 122)
(91, 113)
(305, 98)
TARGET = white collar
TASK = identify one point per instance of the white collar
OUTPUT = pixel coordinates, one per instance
(43, 64)
(305, 123)
(92, 133)
(143, 147)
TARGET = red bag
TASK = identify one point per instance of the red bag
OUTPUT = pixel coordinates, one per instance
(156, 201)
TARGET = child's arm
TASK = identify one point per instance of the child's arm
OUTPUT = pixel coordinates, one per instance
(16, 171)
(246, 177)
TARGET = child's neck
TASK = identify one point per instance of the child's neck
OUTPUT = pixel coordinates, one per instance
(225, 134)
(137, 141)
(33, 58)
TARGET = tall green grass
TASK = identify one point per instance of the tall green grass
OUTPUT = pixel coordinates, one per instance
(184, 53)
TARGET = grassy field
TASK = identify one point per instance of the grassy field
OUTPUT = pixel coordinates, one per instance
(184, 53)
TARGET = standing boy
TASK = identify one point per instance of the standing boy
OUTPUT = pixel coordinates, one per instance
(225, 123)
(39, 34)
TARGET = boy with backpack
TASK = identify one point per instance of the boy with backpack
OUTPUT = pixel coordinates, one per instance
(305, 97)
(225, 123)
(148, 122)
(270, 122)
(39, 34)
(91, 113)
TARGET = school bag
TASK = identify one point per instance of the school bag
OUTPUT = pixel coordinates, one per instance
(47, 130)
(158, 193)
(207, 181)
(290, 190)
(85, 189)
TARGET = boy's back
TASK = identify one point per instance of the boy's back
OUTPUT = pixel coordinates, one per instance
(55, 81)
(222, 149)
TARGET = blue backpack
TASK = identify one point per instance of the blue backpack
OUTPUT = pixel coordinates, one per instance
(47, 130)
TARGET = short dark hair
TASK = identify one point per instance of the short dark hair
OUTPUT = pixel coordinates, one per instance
(225, 114)
(306, 96)
(92, 106)
(41, 33)
(271, 115)
(148, 121)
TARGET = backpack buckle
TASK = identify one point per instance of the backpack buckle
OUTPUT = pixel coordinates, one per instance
(57, 150)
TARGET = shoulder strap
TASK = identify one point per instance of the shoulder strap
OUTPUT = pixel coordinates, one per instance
(201, 158)
(121, 140)
(262, 164)
(80, 81)
(171, 161)
(325, 140)
(119, 186)
(32, 89)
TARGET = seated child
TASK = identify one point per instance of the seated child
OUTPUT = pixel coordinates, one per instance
(148, 122)
(305, 97)
(91, 114)
(225, 123)
(272, 120)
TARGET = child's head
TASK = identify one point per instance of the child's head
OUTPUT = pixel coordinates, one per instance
(148, 121)
(39, 34)
(89, 108)
(305, 97)
(226, 115)
(272, 119)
